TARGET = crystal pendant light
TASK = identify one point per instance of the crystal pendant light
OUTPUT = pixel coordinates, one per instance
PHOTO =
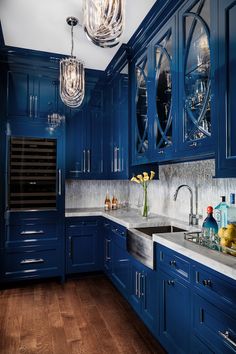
(104, 21)
(72, 75)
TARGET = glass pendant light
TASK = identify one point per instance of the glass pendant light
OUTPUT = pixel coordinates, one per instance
(104, 21)
(72, 75)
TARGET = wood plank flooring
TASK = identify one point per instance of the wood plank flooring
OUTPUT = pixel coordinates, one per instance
(84, 316)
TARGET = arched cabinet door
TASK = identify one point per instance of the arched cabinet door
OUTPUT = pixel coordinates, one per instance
(164, 100)
(197, 70)
(141, 136)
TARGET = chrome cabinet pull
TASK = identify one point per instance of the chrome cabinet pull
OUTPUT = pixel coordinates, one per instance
(118, 159)
(84, 161)
(32, 261)
(35, 106)
(207, 282)
(139, 285)
(89, 160)
(226, 336)
(70, 246)
(59, 181)
(143, 285)
(136, 283)
(115, 160)
(108, 250)
(32, 232)
(173, 263)
(30, 105)
(170, 282)
(161, 152)
(194, 144)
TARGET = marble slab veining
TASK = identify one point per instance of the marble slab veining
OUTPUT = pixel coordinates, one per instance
(131, 218)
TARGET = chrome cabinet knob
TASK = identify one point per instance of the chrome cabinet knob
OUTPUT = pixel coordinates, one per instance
(207, 282)
(170, 282)
(173, 263)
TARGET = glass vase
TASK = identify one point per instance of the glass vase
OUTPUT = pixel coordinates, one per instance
(145, 202)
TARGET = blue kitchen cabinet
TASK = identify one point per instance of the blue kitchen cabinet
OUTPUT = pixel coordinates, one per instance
(120, 260)
(197, 84)
(226, 76)
(140, 109)
(32, 94)
(107, 247)
(83, 245)
(119, 127)
(214, 310)
(75, 144)
(144, 294)
(163, 98)
(174, 300)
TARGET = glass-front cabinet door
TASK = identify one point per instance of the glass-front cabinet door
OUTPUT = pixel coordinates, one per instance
(140, 108)
(196, 70)
(163, 100)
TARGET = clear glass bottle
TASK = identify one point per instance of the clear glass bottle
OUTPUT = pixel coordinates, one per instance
(232, 210)
(222, 213)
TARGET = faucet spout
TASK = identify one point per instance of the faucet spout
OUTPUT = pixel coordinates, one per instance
(192, 217)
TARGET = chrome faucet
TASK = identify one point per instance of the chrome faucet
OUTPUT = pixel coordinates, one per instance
(193, 218)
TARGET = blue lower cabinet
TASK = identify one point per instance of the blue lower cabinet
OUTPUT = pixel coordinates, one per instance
(32, 262)
(174, 313)
(144, 295)
(198, 347)
(107, 247)
(120, 260)
(216, 328)
(83, 245)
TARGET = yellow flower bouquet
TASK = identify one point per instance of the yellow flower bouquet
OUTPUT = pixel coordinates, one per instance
(144, 180)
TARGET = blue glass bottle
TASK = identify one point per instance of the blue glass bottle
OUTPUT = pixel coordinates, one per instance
(210, 230)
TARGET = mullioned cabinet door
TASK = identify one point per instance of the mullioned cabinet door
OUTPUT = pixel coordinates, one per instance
(226, 157)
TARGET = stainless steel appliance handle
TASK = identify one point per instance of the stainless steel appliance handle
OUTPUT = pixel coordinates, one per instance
(59, 181)
(84, 161)
(226, 336)
(30, 105)
(89, 160)
(32, 232)
(35, 106)
(32, 261)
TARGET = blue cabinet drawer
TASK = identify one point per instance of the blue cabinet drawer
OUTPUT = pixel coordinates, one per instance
(119, 237)
(76, 226)
(32, 231)
(32, 263)
(216, 328)
(171, 261)
(212, 284)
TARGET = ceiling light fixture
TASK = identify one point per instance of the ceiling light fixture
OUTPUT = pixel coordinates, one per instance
(72, 75)
(104, 21)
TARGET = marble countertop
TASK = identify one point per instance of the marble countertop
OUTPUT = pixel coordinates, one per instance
(130, 218)
(224, 264)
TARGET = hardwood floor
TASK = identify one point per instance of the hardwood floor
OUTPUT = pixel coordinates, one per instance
(84, 316)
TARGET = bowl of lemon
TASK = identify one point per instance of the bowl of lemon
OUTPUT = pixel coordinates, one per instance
(227, 237)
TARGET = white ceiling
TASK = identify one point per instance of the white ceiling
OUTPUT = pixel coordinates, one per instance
(41, 25)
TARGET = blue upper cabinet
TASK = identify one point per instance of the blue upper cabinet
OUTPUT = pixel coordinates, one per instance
(32, 95)
(139, 107)
(226, 159)
(84, 137)
(163, 96)
(197, 55)
(117, 119)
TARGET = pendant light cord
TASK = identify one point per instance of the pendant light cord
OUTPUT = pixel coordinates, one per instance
(72, 40)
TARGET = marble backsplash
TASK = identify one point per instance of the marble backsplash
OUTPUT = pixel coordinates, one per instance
(198, 175)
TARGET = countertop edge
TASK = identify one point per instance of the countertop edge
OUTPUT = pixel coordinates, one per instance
(211, 263)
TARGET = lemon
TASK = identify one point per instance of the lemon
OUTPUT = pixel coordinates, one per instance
(230, 234)
(231, 226)
(221, 232)
(225, 242)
